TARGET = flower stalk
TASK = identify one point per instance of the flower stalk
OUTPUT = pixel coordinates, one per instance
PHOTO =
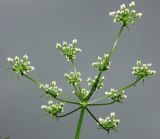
(77, 136)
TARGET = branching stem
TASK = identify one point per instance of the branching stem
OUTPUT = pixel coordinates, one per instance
(38, 84)
(92, 103)
(61, 116)
(96, 119)
(93, 88)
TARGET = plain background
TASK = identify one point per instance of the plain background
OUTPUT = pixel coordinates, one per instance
(34, 26)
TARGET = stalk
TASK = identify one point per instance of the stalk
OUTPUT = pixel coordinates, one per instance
(93, 88)
(79, 124)
(60, 99)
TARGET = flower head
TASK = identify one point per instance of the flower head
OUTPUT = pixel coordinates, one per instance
(126, 16)
(53, 109)
(83, 93)
(143, 70)
(92, 81)
(100, 64)
(20, 65)
(72, 77)
(115, 95)
(52, 90)
(69, 50)
(109, 122)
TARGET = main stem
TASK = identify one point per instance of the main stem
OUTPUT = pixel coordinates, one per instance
(79, 124)
(93, 88)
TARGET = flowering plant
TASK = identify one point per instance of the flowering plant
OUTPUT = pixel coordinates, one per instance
(21, 66)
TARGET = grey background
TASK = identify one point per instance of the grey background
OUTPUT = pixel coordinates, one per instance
(34, 26)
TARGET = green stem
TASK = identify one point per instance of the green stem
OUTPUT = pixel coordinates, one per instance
(60, 116)
(97, 100)
(79, 124)
(130, 85)
(101, 104)
(124, 88)
(116, 41)
(76, 90)
(96, 119)
(31, 79)
(93, 88)
(62, 100)
(75, 71)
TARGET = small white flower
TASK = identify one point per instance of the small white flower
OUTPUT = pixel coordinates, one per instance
(25, 56)
(43, 107)
(58, 45)
(32, 68)
(50, 102)
(100, 119)
(10, 59)
(139, 15)
(123, 6)
(139, 62)
(16, 58)
(74, 41)
(112, 13)
(112, 114)
(118, 12)
(132, 4)
(64, 43)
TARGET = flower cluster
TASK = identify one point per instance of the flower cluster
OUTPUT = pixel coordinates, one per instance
(100, 64)
(52, 89)
(126, 16)
(92, 81)
(69, 50)
(143, 70)
(115, 95)
(73, 77)
(20, 65)
(83, 93)
(53, 109)
(109, 122)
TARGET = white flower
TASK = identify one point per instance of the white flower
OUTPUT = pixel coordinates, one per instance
(101, 63)
(125, 15)
(92, 81)
(132, 4)
(112, 114)
(73, 77)
(139, 15)
(25, 56)
(20, 65)
(138, 62)
(112, 13)
(109, 122)
(64, 43)
(10, 59)
(123, 6)
(115, 95)
(69, 50)
(50, 102)
(143, 70)
(74, 41)
(53, 109)
(16, 58)
(52, 89)
(118, 12)
(43, 107)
